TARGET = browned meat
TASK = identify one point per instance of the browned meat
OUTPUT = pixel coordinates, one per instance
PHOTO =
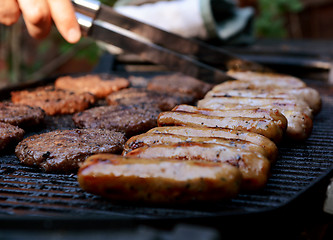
(158, 181)
(92, 83)
(241, 84)
(163, 100)
(65, 150)
(298, 114)
(255, 138)
(130, 119)
(265, 127)
(265, 103)
(271, 114)
(308, 95)
(274, 80)
(138, 81)
(9, 135)
(167, 138)
(20, 115)
(178, 82)
(254, 167)
(54, 101)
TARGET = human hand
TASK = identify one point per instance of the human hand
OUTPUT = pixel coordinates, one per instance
(38, 16)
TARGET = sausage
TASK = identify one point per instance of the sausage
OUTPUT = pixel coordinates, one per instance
(254, 167)
(158, 181)
(272, 114)
(166, 138)
(255, 138)
(240, 84)
(274, 79)
(299, 123)
(261, 126)
(271, 103)
(307, 94)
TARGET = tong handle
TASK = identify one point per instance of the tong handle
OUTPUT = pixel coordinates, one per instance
(85, 12)
(87, 7)
(85, 23)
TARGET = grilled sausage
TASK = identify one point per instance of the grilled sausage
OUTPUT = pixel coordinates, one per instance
(158, 180)
(166, 138)
(275, 79)
(261, 126)
(308, 95)
(254, 167)
(240, 84)
(255, 138)
(299, 123)
(272, 114)
(271, 103)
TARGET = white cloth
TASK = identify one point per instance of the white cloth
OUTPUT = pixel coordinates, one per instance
(191, 19)
(182, 17)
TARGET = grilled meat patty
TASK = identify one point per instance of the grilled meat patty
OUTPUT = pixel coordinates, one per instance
(54, 101)
(92, 83)
(166, 181)
(20, 114)
(64, 150)
(129, 119)
(180, 83)
(163, 100)
(9, 135)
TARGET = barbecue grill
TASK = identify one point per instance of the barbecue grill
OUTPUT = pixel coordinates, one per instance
(31, 199)
(34, 198)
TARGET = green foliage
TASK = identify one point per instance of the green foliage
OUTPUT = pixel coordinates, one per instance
(270, 22)
(108, 2)
(31, 59)
(91, 53)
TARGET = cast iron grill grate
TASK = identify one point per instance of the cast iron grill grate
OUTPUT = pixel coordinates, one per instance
(25, 191)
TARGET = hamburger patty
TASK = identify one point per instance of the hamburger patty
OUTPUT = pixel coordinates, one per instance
(64, 150)
(9, 135)
(163, 100)
(20, 114)
(129, 119)
(92, 83)
(180, 83)
(54, 101)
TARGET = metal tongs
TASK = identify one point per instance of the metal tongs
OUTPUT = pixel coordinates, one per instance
(189, 56)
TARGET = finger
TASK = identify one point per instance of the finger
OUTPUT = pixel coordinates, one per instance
(9, 12)
(63, 15)
(37, 17)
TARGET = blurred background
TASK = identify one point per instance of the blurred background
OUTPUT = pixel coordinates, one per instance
(23, 58)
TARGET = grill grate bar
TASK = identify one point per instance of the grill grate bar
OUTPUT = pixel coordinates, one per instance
(44, 183)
